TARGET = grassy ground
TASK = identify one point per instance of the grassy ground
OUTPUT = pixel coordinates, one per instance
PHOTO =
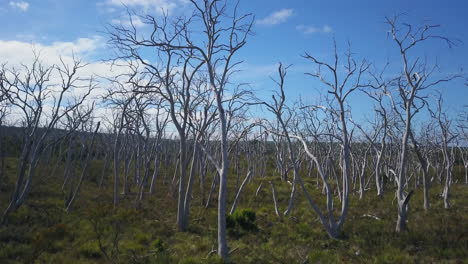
(93, 232)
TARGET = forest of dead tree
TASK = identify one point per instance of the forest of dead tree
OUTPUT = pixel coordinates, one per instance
(183, 171)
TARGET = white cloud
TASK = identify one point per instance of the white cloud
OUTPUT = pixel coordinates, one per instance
(277, 17)
(21, 5)
(17, 53)
(147, 5)
(310, 29)
(136, 21)
(327, 29)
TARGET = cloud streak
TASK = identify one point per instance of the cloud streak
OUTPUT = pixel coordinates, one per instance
(276, 17)
(136, 22)
(16, 52)
(21, 5)
(311, 29)
(159, 6)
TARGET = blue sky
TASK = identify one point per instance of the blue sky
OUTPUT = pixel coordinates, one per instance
(284, 30)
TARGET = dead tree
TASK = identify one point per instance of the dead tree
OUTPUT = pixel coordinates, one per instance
(447, 137)
(340, 87)
(410, 85)
(69, 202)
(422, 150)
(31, 91)
(4, 111)
(377, 90)
(277, 107)
(284, 116)
(224, 33)
(121, 98)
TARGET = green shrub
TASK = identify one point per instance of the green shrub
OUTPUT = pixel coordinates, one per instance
(322, 256)
(90, 250)
(47, 239)
(392, 255)
(13, 250)
(241, 221)
(108, 225)
(210, 260)
(143, 238)
(158, 245)
(304, 230)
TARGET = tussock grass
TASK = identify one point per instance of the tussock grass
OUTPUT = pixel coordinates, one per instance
(42, 232)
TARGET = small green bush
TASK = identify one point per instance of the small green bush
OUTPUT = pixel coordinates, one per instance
(210, 260)
(13, 250)
(322, 256)
(143, 238)
(47, 240)
(90, 250)
(158, 245)
(242, 220)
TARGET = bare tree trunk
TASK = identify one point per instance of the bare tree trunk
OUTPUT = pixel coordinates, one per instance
(213, 186)
(127, 164)
(426, 204)
(378, 182)
(181, 220)
(104, 169)
(203, 170)
(448, 182)
(68, 164)
(258, 189)
(466, 172)
(2, 153)
(273, 191)
(234, 204)
(402, 202)
(155, 173)
(188, 194)
(83, 172)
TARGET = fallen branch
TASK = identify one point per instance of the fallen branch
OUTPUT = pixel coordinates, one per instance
(371, 216)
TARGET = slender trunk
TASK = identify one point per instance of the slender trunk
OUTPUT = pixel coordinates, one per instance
(234, 204)
(401, 177)
(448, 179)
(188, 194)
(181, 221)
(426, 204)
(2, 155)
(345, 170)
(258, 189)
(223, 249)
(378, 183)
(292, 195)
(68, 165)
(116, 170)
(203, 169)
(127, 164)
(275, 202)
(155, 173)
(466, 173)
(104, 170)
(23, 164)
(83, 172)
(213, 186)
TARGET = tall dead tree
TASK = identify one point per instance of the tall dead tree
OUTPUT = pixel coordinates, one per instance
(414, 80)
(4, 111)
(41, 103)
(340, 87)
(224, 32)
(447, 137)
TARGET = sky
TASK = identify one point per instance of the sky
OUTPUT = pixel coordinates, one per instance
(283, 31)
